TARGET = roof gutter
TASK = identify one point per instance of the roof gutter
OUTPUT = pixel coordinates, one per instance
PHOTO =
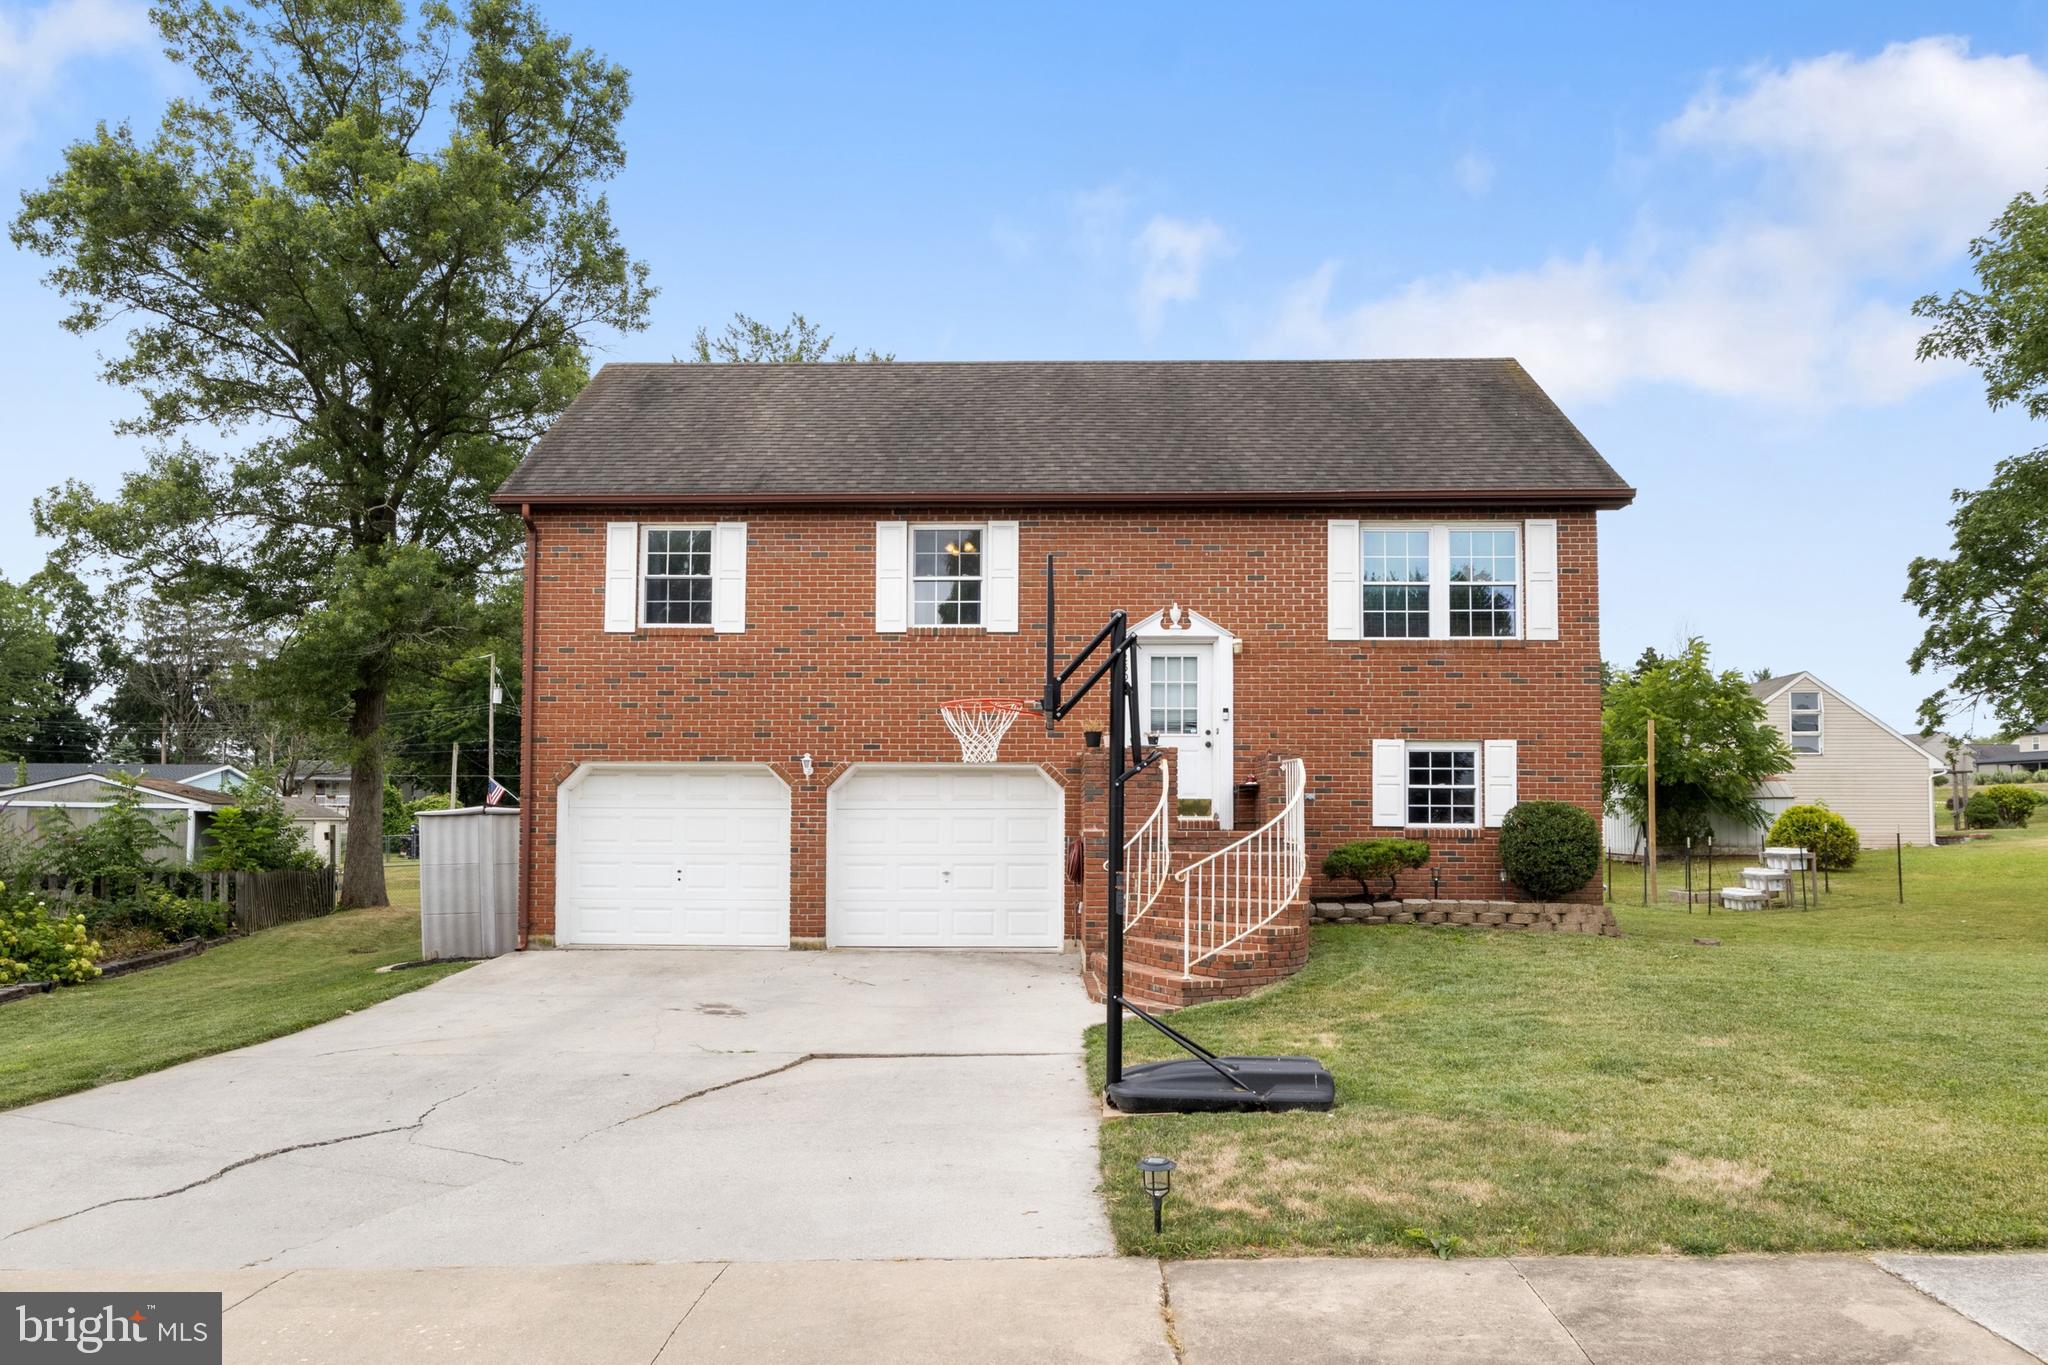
(1606, 499)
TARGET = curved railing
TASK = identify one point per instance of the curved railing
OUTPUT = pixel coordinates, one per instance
(1243, 886)
(1147, 855)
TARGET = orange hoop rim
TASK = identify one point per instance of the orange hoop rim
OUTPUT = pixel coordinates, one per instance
(1014, 705)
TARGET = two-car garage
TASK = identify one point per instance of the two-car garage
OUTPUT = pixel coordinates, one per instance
(928, 855)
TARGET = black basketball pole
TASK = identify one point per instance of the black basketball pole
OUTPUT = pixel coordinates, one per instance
(1113, 965)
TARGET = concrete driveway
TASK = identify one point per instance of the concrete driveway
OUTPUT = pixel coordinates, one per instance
(564, 1107)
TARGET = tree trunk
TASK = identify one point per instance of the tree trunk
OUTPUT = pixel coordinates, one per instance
(362, 872)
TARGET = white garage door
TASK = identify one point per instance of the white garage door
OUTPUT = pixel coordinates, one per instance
(675, 853)
(945, 856)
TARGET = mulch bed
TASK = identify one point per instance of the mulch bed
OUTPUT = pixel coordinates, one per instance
(122, 966)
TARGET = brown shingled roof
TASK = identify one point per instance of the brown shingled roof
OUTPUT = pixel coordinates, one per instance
(1280, 431)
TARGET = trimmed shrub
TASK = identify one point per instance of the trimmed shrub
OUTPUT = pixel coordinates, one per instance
(1363, 859)
(1549, 848)
(1828, 836)
(35, 947)
(2015, 803)
(1981, 812)
(1941, 779)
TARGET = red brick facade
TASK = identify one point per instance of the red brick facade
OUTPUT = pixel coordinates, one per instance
(810, 674)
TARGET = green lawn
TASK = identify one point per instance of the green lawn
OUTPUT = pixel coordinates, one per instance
(1862, 1075)
(268, 984)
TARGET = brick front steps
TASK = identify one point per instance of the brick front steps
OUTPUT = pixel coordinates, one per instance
(1540, 916)
(1153, 954)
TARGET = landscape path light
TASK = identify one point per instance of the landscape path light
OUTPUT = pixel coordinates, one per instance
(1156, 1174)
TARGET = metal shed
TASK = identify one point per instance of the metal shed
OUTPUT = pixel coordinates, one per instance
(469, 882)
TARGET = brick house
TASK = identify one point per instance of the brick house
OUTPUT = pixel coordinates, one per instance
(749, 588)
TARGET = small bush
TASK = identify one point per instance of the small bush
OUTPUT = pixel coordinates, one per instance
(1941, 779)
(2015, 803)
(1981, 812)
(1832, 840)
(160, 911)
(1549, 848)
(1364, 859)
(35, 947)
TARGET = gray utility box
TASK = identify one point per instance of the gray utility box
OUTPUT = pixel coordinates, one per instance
(469, 882)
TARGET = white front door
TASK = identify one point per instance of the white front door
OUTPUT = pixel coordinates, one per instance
(942, 855)
(1177, 689)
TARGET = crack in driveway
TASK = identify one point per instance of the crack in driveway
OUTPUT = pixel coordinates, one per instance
(232, 1166)
(799, 1061)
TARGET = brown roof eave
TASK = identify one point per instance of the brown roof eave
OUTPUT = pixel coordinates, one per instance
(1602, 499)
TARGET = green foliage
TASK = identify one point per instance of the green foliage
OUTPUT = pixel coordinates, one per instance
(1981, 811)
(2015, 803)
(1941, 779)
(397, 817)
(1549, 848)
(364, 253)
(28, 660)
(36, 947)
(431, 801)
(256, 834)
(744, 341)
(1714, 745)
(157, 908)
(1364, 859)
(1827, 835)
(122, 841)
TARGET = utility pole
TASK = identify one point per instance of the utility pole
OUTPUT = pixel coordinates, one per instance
(491, 724)
(1650, 787)
(163, 739)
(454, 757)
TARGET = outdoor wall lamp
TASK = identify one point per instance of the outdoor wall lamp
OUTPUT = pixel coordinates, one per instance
(1155, 1173)
(808, 766)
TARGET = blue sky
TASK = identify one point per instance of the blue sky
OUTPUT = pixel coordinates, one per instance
(1699, 226)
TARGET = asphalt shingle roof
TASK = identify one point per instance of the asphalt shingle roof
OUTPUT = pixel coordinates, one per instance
(50, 772)
(1167, 431)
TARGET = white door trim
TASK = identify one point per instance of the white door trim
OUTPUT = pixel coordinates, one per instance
(1196, 629)
(565, 867)
(1056, 860)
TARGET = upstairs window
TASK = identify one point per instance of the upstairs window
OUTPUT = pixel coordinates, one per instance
(945, 576)
(676, 576)
(1806, 723)
(1395, 584)
(1484, 579)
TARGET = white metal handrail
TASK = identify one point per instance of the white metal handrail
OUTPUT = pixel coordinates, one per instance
(1148, 854)
(1243, 886)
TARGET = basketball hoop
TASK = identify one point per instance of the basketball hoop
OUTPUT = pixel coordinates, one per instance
(980, 723)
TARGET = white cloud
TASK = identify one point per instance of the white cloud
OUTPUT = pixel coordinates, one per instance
(37, 46)
(1473, 174)
(1171, 254)
(1864, 175)
(1099, 216)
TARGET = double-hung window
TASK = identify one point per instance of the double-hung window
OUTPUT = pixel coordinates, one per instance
(1806, 724)
(1443, 784)
(945, 576)
(1484, 580)
(1395, 583)
(675, 576)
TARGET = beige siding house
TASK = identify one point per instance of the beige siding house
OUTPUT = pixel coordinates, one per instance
(1868, 773)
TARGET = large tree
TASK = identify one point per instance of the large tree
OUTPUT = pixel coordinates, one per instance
(1714, 745)
(749, 341)
(363, 261)
(1986, 604)
(84, 650)
(28, 667)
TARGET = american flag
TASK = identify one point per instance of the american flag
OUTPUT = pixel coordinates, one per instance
(497, 793)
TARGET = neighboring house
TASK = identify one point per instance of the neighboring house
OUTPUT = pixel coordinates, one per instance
(206, 776)
(1868, 773)
(181, 811)
(329, 789)
(750, 587)
(2022, 756)
(184, 812)
(1626, 837)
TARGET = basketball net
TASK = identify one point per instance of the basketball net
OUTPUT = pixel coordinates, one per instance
(980, 723)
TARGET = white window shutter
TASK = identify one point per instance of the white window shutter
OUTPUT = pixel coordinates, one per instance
(1499, 771)
(1539, 575)
(1389, 782)
(892, 576)
(1347, 606)
(999, 577)
(621, 577)
(729, 577)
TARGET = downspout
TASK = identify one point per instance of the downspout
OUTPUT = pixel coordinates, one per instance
(526, 706)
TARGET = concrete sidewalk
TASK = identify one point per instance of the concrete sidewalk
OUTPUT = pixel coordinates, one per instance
(1734, 1309)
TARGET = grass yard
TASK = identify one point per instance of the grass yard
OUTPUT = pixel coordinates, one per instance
(1863, 1075)
(271, 983)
